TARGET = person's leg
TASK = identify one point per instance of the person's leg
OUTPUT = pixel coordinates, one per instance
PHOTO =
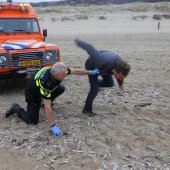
(93, 80)
(31, 116)
(107, 81)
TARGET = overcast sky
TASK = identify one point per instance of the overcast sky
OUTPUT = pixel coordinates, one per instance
(29, 0)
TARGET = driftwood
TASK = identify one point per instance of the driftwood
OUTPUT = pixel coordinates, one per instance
(142, 104)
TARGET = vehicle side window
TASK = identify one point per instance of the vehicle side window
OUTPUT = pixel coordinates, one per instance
(35, 26)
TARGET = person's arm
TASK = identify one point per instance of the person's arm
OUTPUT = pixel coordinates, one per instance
(121, 86)
(88, 47)
(120, 83)
(51, 119)
(80, 71)
(48, 112)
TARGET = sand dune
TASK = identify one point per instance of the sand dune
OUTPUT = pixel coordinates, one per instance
(128, 18)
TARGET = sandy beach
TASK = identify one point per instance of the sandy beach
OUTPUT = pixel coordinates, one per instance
(131, 131)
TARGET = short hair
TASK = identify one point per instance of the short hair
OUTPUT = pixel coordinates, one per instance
(57, 68)
(123, 67)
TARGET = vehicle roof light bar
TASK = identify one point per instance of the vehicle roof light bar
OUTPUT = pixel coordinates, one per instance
(15, 6)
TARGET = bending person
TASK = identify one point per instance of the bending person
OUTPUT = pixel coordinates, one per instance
(109, 64)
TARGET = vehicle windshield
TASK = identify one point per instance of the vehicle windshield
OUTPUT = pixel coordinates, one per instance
(13, 25)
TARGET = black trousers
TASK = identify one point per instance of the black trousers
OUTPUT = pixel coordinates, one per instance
(95, 83)
(31, 115)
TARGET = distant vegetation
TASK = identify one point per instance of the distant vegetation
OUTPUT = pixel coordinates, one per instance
(159, 17)
(55, 7)
(96, 2)
(102, 18)
(139, 17)
(167, 16)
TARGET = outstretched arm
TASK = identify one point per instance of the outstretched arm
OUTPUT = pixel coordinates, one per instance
(81, 71)
(88, 47)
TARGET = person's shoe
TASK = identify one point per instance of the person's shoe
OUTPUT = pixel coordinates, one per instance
(88, 113)
(13, 109)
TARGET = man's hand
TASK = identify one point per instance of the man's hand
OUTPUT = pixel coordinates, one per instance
(56, 130)
(94, 72)
(122, 89)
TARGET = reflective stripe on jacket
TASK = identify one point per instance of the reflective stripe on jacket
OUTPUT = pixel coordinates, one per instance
(38, 76)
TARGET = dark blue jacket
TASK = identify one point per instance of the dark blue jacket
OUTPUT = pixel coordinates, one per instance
(103, 60)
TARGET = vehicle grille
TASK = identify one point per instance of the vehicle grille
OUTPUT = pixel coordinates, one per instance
(15, 58)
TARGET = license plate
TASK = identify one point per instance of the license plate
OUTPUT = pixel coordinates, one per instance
(29, 63)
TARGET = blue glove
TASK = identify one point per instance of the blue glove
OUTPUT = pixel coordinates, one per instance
(56, 130)
(94, 72)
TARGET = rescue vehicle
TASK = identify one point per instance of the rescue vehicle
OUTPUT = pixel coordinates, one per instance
(23, 49)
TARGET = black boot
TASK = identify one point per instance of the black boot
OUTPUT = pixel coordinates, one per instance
(13, 109)
(88, 113)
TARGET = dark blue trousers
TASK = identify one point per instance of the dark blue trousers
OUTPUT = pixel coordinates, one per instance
(95, 83)
(31, 115)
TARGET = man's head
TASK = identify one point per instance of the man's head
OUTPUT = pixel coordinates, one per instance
(58, 71)
(121, 70)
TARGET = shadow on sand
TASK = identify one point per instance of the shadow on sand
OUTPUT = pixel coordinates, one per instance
(12, 85)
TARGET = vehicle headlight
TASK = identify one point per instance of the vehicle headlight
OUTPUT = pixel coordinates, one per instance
(49, 55)
(3, 59)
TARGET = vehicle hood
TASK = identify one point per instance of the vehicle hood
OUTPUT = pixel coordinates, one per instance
(29, 44)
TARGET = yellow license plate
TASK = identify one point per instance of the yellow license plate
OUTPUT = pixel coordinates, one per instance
(29, 63)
